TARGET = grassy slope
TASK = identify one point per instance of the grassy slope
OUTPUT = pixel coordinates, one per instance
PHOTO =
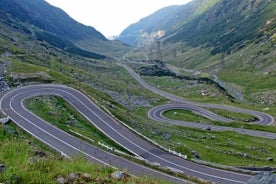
(250, 70)
(26, 58)
(95, 77)
(23, 165)
(245, 47)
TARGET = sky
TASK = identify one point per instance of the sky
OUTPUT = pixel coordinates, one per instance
(111, 17)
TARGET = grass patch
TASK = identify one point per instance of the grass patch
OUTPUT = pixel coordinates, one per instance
(185, 115)
(189, 89)
(17, 155)
(22, 67)
(226, 148)
(240, 119)
(236, 116)
(58, 112)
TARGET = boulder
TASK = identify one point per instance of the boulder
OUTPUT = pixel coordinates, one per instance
(2, 168)
(4, 120)
(263, 178)
(62, 180)
(119, 175)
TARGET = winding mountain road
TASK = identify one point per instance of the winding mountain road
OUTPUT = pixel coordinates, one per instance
(12, 104)
(156, 112)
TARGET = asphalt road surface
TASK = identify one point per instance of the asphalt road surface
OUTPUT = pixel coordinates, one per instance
(12, 104)
(156, 112)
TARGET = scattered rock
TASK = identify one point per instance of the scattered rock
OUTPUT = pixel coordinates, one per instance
(39, 153)
(2, 168)
(263, 178)
(266, 109)
(127, 100)
(32, 160)
(195, 154)
(208, 128)
(269, 159)
(119, 175)
(74, 176)
(4, 120)
(212, 137)
(4, 87)
(166, 136)
(63, 156)
(155, 70)
(86, 177)
(264, 169)
(62, 180)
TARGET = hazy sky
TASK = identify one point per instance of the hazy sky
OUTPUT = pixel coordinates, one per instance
(110, 17)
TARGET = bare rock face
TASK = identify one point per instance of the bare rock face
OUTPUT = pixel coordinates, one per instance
(263, 178)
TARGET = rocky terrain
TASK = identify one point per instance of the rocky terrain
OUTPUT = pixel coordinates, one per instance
(3, 81)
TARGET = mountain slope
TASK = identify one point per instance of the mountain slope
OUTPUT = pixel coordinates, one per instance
(233, 41)
(165, 19)
(221, 24)
(44, 16)
(147, 25)
(55, 26)
(228, 25)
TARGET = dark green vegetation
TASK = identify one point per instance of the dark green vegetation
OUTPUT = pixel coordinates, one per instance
(238, 59)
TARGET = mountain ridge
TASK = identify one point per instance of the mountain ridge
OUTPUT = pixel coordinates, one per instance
(166, 19)
(54, 26)
(230, 41)
(221, 24)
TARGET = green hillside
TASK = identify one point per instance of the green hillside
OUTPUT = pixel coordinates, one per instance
(26, 60)
(166, 19)
(228, 26)
(232, 42)
(51, 24)
(220, 24)
(187, 59)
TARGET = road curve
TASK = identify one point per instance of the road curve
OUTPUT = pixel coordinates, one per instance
(13, 106)
(156, 112)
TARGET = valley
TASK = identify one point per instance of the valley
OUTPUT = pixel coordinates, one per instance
(128, 85)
